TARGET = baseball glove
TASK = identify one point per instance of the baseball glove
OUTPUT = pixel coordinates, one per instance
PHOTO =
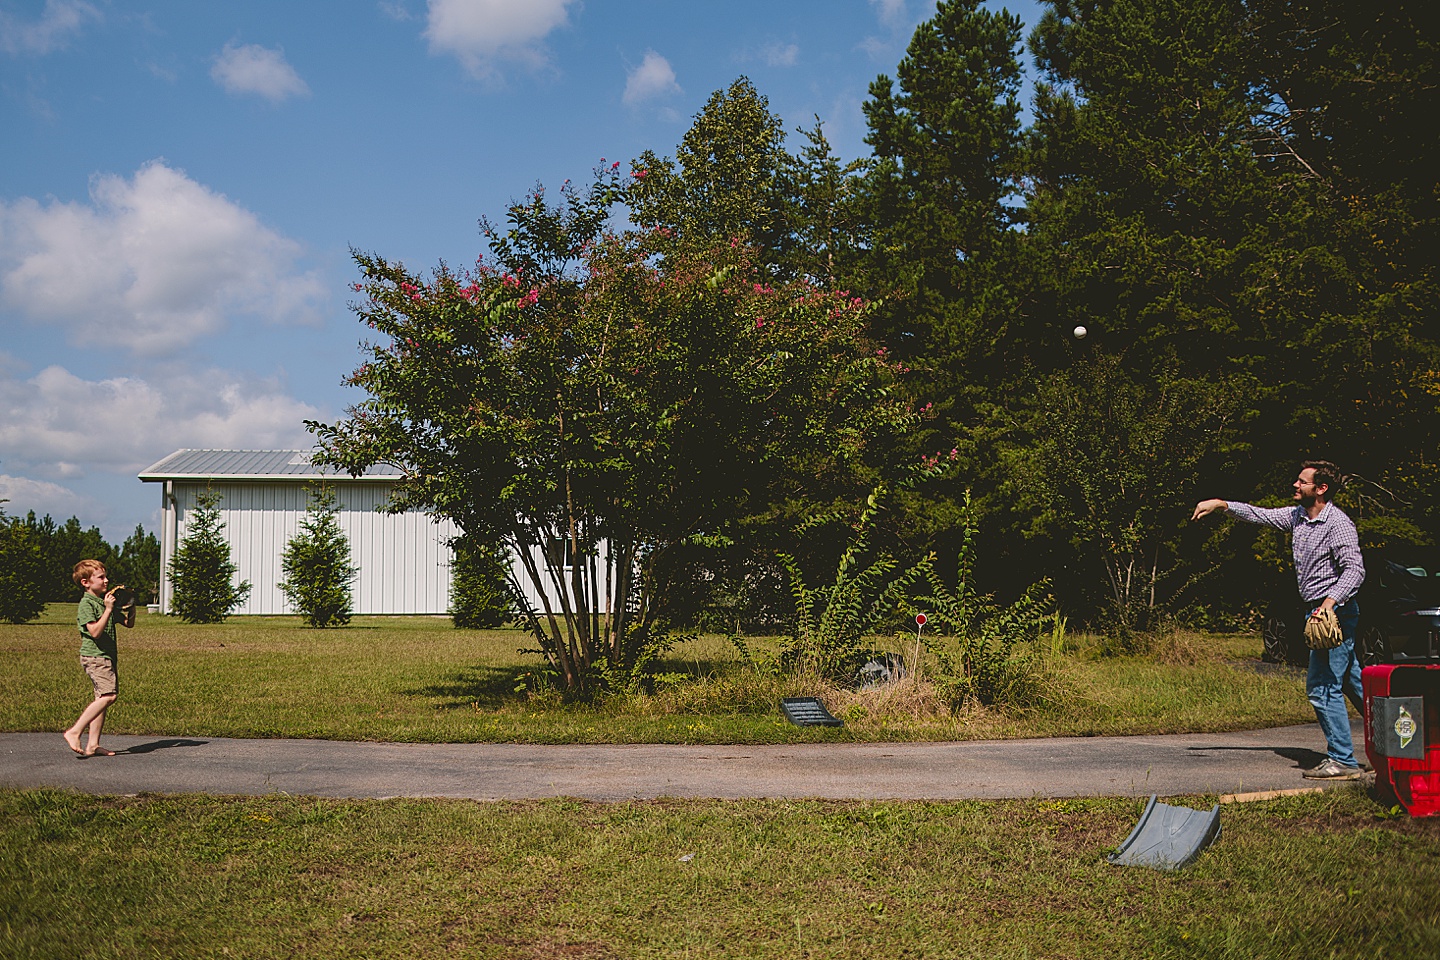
(1322, 630)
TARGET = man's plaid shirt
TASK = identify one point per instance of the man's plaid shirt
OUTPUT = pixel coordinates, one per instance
(1327, 550)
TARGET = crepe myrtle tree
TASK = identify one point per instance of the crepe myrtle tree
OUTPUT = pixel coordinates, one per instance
(594, 403)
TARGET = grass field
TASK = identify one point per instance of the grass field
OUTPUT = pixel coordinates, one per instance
(1321, 875)
(418, 679)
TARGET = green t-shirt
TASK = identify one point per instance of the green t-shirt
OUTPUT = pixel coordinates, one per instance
(92, 608)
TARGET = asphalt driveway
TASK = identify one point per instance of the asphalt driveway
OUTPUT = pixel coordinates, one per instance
(1255, 760)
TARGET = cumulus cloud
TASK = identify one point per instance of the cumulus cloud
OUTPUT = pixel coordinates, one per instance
(892, 13)
(150, 263)
(259, 70)
(780, 54)
(57, 424)
(44, 497)
(653, 78)
(480, 32)
(60, 20)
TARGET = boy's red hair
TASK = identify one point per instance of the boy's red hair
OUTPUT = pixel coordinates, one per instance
(85, 569)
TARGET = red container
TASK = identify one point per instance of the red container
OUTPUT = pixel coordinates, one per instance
(1402, 715)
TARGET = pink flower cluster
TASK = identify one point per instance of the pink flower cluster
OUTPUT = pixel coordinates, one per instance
(529, 299)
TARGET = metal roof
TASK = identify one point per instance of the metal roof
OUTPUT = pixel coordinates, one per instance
(254, 465)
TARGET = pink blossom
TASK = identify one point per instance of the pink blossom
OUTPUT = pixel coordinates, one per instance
(639, 174)
(356, 287)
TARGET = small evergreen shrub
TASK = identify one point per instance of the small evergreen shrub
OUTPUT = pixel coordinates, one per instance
(22, 572)
(480, 596)
(201, 570)
(316, 565)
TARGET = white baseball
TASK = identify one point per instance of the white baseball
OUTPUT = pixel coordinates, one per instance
(1080, 333)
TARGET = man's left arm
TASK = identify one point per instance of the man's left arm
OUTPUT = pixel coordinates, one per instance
(1351, 566)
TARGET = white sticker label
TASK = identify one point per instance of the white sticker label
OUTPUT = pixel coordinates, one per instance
(1405, 728)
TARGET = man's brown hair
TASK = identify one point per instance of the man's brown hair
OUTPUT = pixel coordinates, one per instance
(1326, 475)
(85, 569)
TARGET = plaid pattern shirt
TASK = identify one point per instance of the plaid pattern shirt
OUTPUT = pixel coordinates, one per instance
(1327, 549)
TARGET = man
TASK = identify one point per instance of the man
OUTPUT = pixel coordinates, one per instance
(1328, 571)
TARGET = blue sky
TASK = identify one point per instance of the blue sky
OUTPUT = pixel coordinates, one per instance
(181, 181)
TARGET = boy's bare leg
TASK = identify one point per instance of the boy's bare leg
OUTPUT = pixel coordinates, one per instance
(97, 708)
(93, 748)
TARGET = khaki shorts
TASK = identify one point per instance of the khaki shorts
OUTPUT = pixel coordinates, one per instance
(102, 674)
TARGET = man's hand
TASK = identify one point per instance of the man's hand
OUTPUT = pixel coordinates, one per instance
(1206, 507)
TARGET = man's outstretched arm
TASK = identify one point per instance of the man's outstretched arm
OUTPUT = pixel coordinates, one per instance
(1206, 507)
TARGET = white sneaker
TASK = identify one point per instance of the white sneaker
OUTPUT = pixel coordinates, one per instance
(1330, 770)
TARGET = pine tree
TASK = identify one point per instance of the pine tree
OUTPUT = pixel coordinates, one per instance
(201, 570)
(22, 572)
(316, 564)
(479, 591)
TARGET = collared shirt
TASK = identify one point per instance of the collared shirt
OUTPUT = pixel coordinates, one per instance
(1327, 549)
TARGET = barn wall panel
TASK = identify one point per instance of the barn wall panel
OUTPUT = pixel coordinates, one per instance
(403, 560)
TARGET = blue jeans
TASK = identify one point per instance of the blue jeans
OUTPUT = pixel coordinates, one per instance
(1335, 675)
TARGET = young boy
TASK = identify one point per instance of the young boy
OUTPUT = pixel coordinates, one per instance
(97, 617)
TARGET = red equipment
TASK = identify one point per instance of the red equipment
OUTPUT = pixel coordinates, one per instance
(1402, 734)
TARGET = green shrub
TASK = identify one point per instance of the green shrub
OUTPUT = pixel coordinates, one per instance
(22, 572)
(316, 565)
(201, 570)
(986, 652)
(479, 587)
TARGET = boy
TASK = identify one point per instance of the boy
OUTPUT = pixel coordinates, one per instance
(96, 617)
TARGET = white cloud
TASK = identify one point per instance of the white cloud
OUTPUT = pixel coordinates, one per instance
(653, 78)
(56, 424)
(44, 497)
(150, 264)
(256, 69)
(59, 20)
(892, 13)
(395, 10)
(479, 32)
(778, 54)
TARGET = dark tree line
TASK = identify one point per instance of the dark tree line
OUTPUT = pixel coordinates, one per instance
(135, 562)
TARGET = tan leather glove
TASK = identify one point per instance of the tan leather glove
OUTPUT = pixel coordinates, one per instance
(1322, 630)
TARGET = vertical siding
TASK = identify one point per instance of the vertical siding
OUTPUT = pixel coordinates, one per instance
(403, 559)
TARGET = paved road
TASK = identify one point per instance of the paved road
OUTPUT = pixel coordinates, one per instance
(1065, 767)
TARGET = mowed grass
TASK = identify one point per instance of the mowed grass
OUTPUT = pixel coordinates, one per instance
(419, 679)
(1320, 875)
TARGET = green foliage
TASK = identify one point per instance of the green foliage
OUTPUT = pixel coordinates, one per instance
(316, 565)
(201, 571)
(722, 185)
(480, 597)
(137, 565)
(1104, 461)
(22, 572)
(977, 642)
(64, 545)
(612, 394)
(835, 624)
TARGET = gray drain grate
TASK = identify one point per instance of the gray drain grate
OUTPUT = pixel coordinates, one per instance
(808, 712)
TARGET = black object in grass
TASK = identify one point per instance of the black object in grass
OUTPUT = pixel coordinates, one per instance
(808, 712)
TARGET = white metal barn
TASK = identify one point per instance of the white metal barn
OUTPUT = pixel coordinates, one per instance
(403, 559)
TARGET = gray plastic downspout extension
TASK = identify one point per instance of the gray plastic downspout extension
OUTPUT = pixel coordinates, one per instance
(1167, 838)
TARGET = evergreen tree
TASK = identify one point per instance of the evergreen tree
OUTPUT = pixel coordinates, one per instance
(722, 183)
(480, 597)
(201, 570)
(137, 565)
(316, 564)
(22, 572)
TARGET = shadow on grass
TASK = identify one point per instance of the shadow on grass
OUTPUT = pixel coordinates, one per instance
(473, 686)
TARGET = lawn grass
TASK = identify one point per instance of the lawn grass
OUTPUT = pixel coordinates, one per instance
(418, 679)
(1319, 875)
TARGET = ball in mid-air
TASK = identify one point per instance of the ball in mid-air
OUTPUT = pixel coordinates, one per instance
(1080, 333)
